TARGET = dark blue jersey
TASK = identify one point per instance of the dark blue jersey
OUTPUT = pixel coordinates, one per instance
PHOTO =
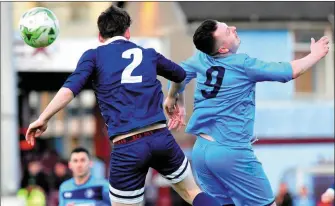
(124, 77)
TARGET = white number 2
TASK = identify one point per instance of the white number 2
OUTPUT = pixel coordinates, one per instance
(126, 74)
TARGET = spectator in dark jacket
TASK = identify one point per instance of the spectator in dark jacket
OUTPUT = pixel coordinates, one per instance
(34, 176)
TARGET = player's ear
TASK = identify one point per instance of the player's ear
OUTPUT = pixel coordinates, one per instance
(127, 34)
(223, 50)
(91, 163)
(102, 40)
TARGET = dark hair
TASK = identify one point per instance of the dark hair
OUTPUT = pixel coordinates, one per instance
(203, 38)
(62, 161)
(80, 149)
(113, 22)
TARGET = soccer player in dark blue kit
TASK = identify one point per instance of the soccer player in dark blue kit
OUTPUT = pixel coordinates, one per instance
(124, 78)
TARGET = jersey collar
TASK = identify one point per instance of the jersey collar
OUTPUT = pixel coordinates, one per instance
(115, 38)
(74, 182)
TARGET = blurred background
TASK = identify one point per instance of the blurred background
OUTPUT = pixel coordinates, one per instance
(294, 121)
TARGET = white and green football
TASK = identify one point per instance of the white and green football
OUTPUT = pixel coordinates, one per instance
(39, 27)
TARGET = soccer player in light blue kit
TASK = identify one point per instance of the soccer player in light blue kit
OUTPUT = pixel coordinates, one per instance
(224, 112)
(83, 189)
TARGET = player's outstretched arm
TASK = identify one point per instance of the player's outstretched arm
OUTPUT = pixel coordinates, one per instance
(258, 71)
(70, 89)
(62, 98)
(319, 49)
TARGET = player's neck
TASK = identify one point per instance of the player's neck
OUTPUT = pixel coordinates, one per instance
(82, 180)
(110, 40)
(225, 55)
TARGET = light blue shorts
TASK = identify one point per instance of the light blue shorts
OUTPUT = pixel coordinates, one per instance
(232, 175)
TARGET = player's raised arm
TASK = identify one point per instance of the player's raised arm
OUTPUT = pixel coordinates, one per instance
(70, 89)
(258, 70)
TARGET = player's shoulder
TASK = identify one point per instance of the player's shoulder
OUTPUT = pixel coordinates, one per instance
(237, 58)
(241, 56)
(89, 53)
(234, 60)
(66, 184)
(100, 181)
(199, 55)
(148, 51)
(196, 57)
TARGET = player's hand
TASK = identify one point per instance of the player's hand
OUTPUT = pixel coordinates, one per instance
(176, 113)
(177, 119)
(35, 130)
(169, 106)
(327, 197)
(320, 48)
(70, 204)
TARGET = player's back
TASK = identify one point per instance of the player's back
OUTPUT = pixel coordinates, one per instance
(126, 86)
(93, 192)
(224, 102)
(124, 77)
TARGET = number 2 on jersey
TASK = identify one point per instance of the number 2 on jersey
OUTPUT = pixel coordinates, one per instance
(217, 85)
(137, 59)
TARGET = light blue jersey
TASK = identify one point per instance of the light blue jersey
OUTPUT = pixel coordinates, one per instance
(224, 108)
(224, 99)
(95, 192)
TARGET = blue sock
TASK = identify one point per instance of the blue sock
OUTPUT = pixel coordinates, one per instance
(204, 199)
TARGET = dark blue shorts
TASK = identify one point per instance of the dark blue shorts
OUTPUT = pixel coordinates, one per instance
(130, 162)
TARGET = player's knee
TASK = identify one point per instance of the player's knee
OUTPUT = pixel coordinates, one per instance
(187, 188)
(190, 194)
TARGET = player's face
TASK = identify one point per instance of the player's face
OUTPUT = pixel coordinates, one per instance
(80, 164)
(227, 38)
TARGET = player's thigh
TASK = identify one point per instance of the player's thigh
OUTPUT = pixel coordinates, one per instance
(168, 158)
(204, 177)
(241, 173)
(170, 161)
(129, 165)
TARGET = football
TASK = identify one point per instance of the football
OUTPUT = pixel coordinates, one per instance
(39, 27)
